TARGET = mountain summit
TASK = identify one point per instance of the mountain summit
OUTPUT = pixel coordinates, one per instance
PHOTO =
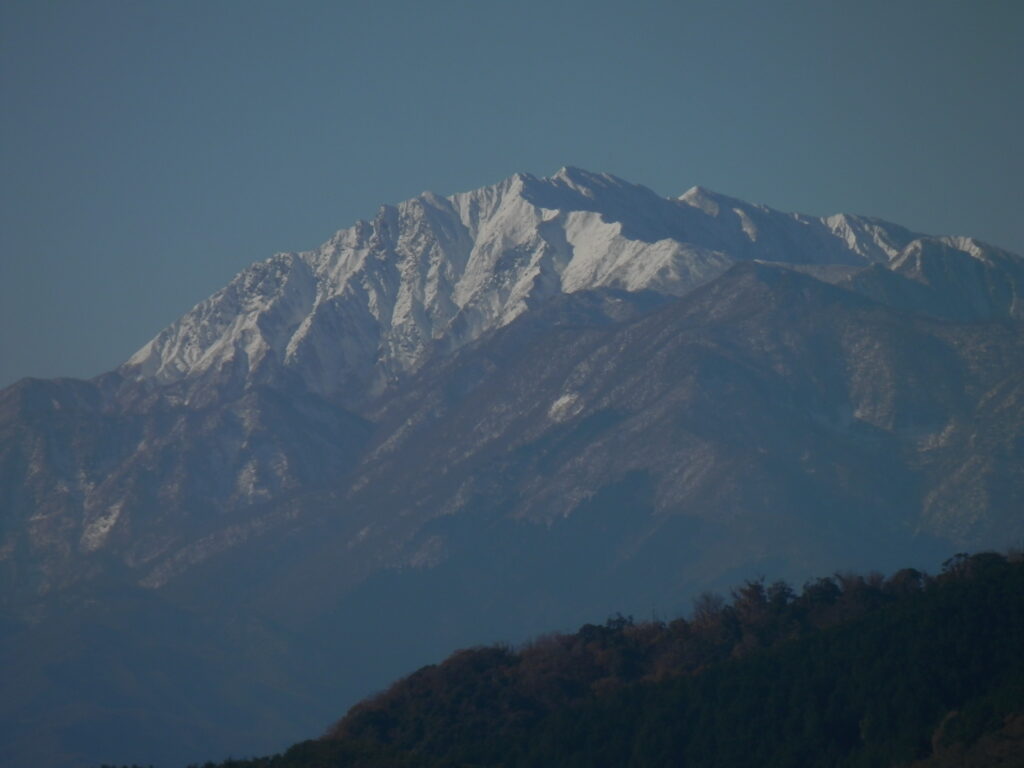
(431, 274)
(476, 418)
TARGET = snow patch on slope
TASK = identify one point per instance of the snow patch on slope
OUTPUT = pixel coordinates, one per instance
(565, 407)
(98, 529)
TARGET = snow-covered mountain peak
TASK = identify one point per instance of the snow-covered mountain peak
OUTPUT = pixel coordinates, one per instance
(432, 273)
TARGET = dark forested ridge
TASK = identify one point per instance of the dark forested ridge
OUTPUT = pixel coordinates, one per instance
(909, 670)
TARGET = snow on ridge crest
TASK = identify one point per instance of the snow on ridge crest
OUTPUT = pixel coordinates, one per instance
(433, 273)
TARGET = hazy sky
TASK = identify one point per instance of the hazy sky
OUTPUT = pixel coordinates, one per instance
(152, 150)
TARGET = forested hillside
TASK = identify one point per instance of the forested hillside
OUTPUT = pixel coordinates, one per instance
(852, 671)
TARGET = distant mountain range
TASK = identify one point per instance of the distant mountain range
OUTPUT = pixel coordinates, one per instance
(481, 417)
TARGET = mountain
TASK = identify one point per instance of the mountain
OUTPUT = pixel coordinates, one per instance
(485, 416)
(378, 299)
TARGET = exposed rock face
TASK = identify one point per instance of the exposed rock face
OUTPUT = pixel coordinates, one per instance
(542, 401)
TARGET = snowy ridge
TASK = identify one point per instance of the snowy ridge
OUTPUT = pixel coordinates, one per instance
(433, 273)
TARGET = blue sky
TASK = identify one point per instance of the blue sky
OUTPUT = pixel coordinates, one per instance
(149, 151)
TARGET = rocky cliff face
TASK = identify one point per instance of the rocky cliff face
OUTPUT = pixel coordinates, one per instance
(546, 400)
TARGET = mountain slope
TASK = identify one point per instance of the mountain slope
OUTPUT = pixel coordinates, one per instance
(766, 422)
